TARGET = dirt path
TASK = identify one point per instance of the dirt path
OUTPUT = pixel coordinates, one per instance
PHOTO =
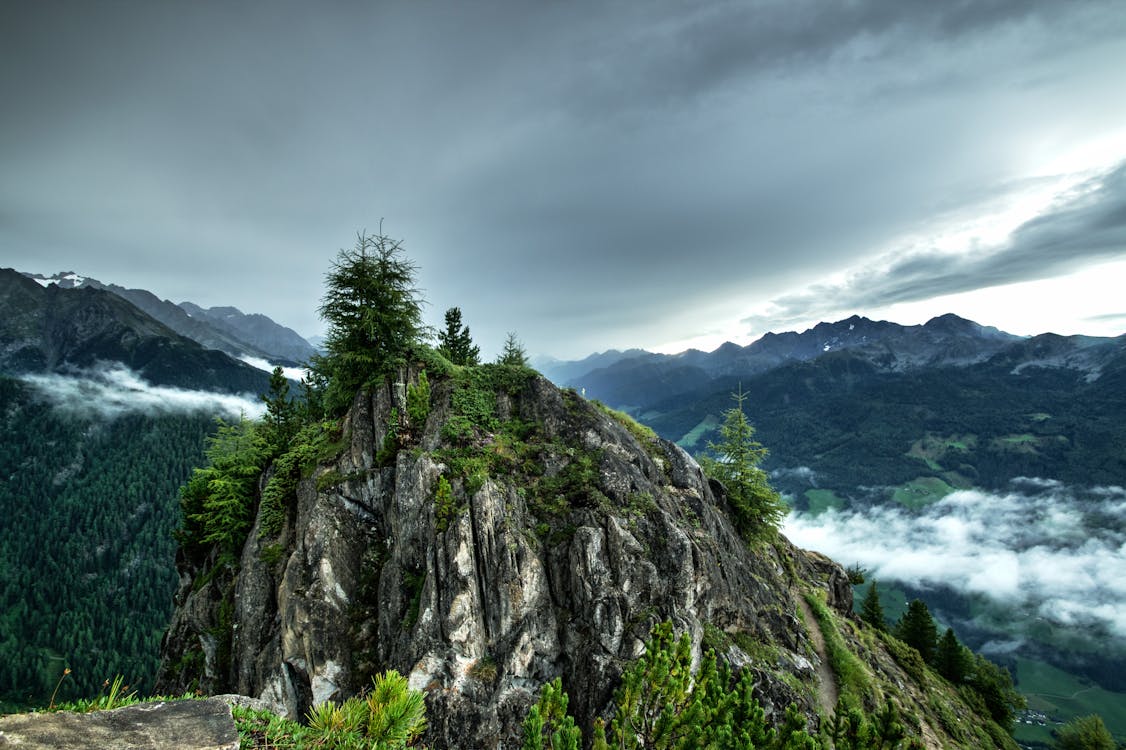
(827, 682)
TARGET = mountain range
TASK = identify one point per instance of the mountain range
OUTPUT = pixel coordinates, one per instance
(856, 400)
(226, 329)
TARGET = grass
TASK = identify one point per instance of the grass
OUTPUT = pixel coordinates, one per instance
(853, 680)
(693, 436)
(822, 500)
(1064, 696)
(921, 492)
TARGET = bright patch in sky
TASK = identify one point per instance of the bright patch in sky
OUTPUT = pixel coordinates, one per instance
(1072, 304)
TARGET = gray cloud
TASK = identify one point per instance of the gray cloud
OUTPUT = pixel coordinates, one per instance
(589, 175)
(1054, 552)
(114, 390)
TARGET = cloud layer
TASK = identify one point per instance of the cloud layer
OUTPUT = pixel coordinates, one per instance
(1058, 553)
(115, 390)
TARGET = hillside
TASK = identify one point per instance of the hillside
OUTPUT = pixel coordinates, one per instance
(51, 329)
(226, 329)
(484, 532)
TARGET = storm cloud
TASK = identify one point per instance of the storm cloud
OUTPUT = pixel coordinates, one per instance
(590, 175)
(1054, 552)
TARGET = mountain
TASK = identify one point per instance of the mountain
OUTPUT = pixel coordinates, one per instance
(51, 329)
(283, 345)
(225, 329)
(639, 378)
(560, 371)
(483, 532)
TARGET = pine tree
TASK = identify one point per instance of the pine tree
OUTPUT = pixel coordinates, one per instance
(950, 658)
(513, 353)
(917, 629)
(374, 315)
(455, 343)
(758, 510)
(281, 419)
(871, 611)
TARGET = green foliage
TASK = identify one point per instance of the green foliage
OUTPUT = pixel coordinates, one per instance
(757, 510)
(853, 681)
(455, 343)
(994, 685)
(219, 499)
(418, 401)
(113, 695)
(282, 418)
(445, 506)
(851, 729)
(661, 703)
(312, 444)
(513, 353)
(374, 315)
(640, 432)
(1085, 733)
(951, 659)
(548, 726)
(871, 611)
(917, 629)
(262, 729)
(390, 716)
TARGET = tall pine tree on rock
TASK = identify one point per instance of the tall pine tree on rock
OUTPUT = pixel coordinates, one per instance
(374, 314)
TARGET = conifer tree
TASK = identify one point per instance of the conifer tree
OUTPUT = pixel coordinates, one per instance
(281, 419)
(374, 314)
(455, 343)
(757, 508)
(871, 611)
(950, 658)
(513, 353)
(917, 629)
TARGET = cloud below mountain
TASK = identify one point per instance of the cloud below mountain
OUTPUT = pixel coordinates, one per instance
(1055, 552)
(111, 391)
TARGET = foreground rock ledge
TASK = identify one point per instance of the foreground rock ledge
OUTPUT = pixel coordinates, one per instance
(165, 725)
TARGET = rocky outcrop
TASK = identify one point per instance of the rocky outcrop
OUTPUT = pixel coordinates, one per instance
(536, 537)
(160, 725)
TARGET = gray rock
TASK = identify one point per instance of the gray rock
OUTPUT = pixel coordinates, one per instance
(481, 614)
(171, 725)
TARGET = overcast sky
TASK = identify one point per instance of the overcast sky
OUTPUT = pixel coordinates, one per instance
(590, 175)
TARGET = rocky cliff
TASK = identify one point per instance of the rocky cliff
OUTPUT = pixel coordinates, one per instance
(487, 532)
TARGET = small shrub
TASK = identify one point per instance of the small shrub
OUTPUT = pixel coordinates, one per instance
(445, 506)
(484, 669)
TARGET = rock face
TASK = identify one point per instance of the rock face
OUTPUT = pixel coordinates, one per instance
(539, 537)
(171, 725)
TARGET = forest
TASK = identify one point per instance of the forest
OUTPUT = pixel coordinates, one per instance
(86, 549)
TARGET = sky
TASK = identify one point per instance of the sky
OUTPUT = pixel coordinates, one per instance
(658, 174)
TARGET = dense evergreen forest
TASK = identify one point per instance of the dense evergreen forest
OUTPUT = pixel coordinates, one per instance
(87, 509)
